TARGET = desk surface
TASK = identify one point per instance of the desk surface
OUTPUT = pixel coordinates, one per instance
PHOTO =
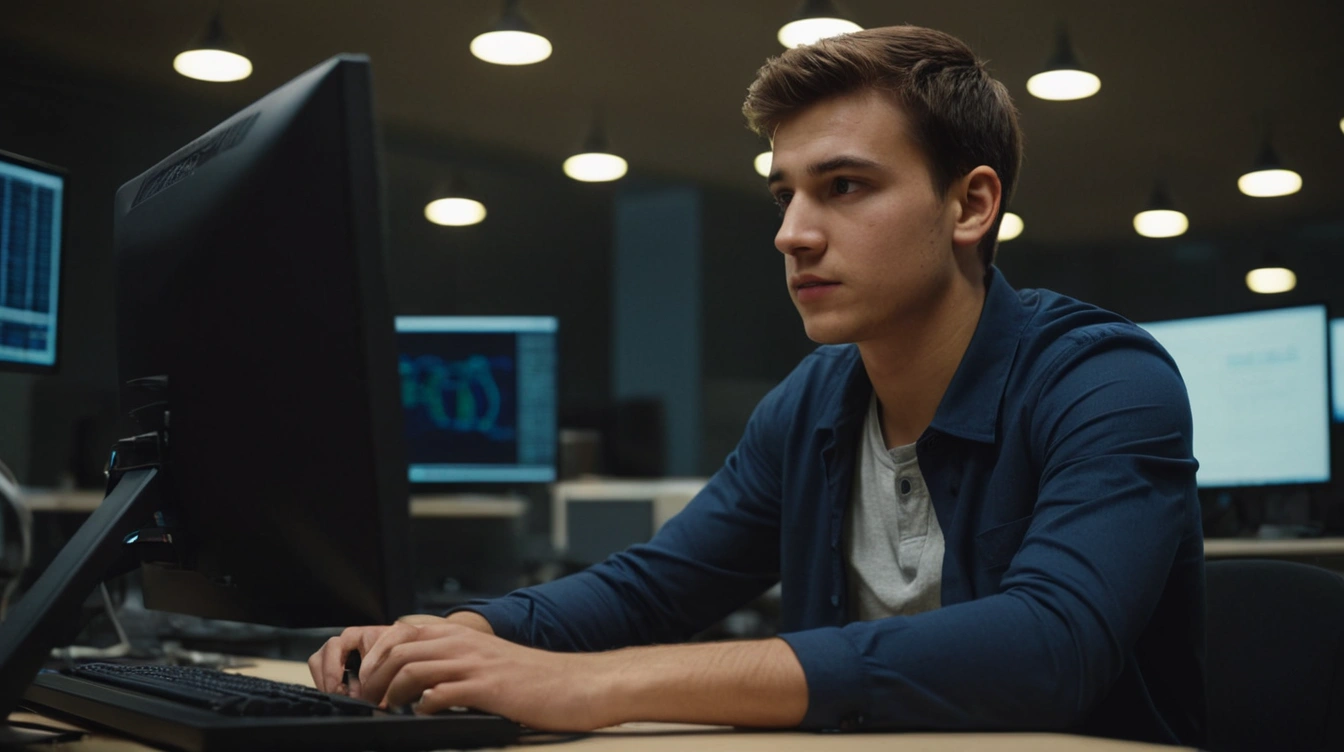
(1224, 548)
(479, 506)
(656, 737)
(444, 505)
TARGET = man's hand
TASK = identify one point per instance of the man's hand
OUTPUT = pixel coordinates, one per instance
(438, 666)
(434, 664)
(328, 663)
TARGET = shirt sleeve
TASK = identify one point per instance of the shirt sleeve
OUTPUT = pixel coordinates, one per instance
(1116, 509)
(721, 551)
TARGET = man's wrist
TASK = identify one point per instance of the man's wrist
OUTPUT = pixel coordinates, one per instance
(615, 684)
(470, 619)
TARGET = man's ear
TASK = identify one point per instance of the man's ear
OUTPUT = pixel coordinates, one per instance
(978, 195)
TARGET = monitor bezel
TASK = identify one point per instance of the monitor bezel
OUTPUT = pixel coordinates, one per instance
(10, 366)
(1329, 322)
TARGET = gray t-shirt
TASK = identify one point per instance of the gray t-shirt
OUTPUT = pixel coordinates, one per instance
(893, 542)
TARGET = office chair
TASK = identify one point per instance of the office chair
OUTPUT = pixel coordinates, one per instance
(1275, 672)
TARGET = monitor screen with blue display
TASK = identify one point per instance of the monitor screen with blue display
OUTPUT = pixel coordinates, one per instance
(31, 202)
(1259, 394)
(479, 398)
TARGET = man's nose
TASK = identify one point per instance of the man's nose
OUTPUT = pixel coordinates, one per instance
(801, 229)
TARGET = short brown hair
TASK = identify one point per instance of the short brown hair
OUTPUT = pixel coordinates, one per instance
(962, 116)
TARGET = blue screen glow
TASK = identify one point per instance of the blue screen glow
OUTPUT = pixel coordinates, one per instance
(30, 263)
(479, 398)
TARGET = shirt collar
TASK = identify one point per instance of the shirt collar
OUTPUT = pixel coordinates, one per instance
(970, 406)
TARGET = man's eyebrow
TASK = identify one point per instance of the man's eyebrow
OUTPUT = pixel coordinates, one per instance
(842, 162)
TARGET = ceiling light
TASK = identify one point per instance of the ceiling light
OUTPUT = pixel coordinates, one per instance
(762, 163)
(1268, 177)
(1063, 78)
(1270, 183)
(511, 41)
(815, 20)
(214, 57)
(1160, 223)
(1010, 226)
(595, 167)
(454, 205)
(595, 163)
(1160, 219)
(1269, 280)
(455, 212)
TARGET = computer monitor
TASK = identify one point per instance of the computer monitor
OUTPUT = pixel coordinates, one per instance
(32, 211)
(266, 477)
(479, 398)
(1337, 368)
(1259, 394)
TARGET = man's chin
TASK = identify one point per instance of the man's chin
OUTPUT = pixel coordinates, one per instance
(828, 332)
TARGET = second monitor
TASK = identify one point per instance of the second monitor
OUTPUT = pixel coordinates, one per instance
(479, 398)
(1259, 394)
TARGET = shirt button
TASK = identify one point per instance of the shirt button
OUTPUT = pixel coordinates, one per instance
(905, 486)
(835, 600)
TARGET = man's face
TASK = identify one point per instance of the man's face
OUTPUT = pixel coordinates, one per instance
(866, 242)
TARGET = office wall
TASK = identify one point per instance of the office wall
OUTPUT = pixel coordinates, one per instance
(656, 285)
(752, 334)
(543, 249)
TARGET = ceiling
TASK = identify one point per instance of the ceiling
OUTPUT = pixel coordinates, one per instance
(1187, 85)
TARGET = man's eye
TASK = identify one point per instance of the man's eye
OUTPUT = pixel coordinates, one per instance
(844, 185)
(782, 201)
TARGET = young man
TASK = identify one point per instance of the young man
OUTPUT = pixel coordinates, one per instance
(980, 502)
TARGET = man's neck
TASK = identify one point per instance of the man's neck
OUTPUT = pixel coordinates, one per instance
(911, 369)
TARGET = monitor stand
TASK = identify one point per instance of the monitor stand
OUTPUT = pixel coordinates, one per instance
(51, 607)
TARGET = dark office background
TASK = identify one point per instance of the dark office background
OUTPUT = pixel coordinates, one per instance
(1187, 90)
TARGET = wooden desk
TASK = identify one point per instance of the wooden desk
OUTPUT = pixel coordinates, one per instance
(669, 496)
(75, 500)
(670, 737)
(1224, 548)
(448, 505)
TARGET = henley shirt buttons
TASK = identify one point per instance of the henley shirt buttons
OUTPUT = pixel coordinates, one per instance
(905, 486)
(835, 600)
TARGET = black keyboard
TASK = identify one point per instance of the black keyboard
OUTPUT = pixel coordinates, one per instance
(218, 692)
(200, 710)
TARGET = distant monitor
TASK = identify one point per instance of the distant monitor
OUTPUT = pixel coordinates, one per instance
(32, 207)
(479, 398)
(1259, 394)
(1337, 368)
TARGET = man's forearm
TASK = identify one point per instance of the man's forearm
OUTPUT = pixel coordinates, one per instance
(750, 683)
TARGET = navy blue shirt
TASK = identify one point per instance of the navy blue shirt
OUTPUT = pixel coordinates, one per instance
(1059, 464)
